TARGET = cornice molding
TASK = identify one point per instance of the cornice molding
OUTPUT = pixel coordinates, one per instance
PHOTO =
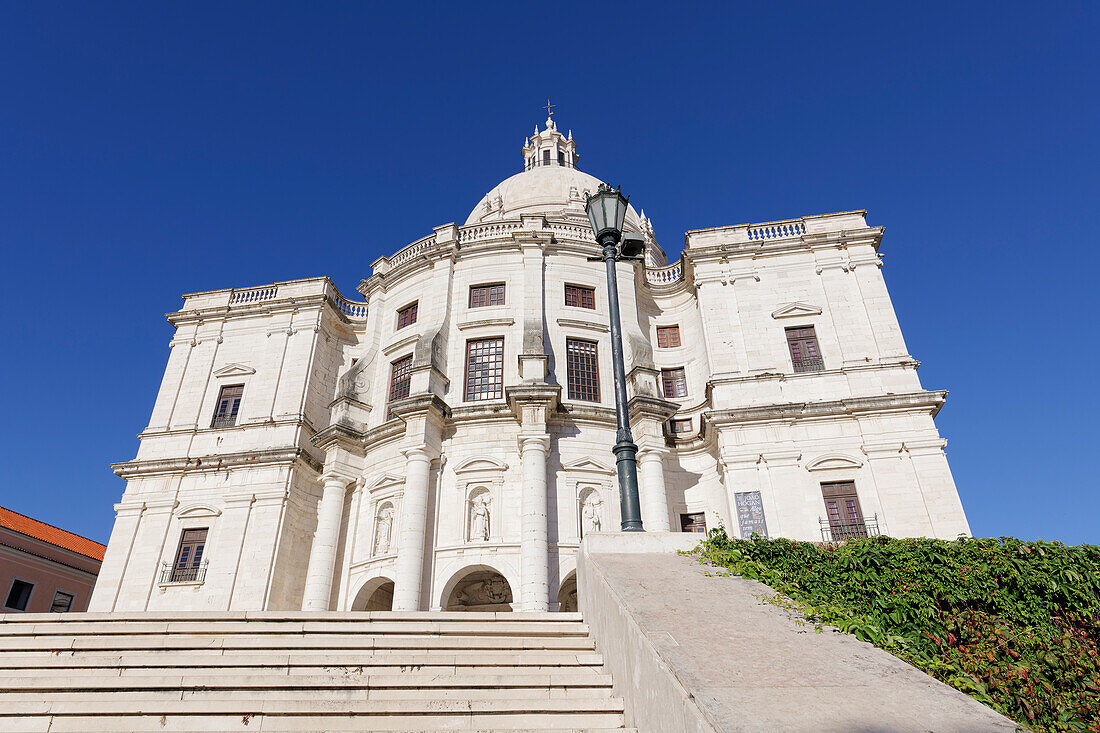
(925, 401)
(588, 325)
(398, 345)
(486, 322)
(225, 461)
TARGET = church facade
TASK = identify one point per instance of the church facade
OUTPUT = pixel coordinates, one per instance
(445, 442)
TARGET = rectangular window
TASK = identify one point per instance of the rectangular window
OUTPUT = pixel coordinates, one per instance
(583, 370)
(400, 378)
(843, 510)
(681, 426)
(578, 296)
(484, 369)
(229, 402)
(673, 382)
(546, 157)
(696, 522)
(483, 295)
(668, 337)
(62, 602)
(19, 595)
(406, 316)
(805, 355)
(189, 556)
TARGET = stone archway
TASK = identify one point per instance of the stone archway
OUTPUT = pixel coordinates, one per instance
(375, 595)
(567, 596)
(477, 588)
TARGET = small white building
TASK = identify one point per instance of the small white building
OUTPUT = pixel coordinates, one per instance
(446, 443)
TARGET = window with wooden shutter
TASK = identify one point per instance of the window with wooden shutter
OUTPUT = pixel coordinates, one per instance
(485, 369)
(668, 337)
(578, 296)
(681, 426)
(843, 510)
(805, 355)
(695, 522)
(483, 295)
(189, 556)
(582, 370)
(229, 403)
(406, 316)
(674, 382)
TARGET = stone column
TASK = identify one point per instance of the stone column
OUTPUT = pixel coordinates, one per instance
(534, 547)
(322, 555)
(409, 565)
(654, 496)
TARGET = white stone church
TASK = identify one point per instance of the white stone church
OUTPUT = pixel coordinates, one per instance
(445, 443)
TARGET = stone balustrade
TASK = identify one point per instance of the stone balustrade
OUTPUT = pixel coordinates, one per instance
(254, 295)
(485, 232)
(275, 293)
(665, 275)
(415, 249)
(778, 230)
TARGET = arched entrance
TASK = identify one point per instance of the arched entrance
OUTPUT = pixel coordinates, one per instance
(477, 588)
(567, 596)
(375, 595)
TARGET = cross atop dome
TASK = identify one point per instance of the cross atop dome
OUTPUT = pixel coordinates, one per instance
(549, 147)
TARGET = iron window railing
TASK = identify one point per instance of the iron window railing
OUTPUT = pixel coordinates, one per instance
(808, 364)
(170, 573)
(854, 530)
(538, 163)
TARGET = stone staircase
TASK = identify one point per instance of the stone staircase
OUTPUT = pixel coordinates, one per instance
(290, 671)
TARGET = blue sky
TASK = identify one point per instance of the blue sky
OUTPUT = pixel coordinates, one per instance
(149, 150)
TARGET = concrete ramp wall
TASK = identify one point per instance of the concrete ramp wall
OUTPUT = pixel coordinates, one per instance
(691, 651)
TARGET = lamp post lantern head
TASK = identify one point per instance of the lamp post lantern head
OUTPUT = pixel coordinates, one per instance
(606, 211)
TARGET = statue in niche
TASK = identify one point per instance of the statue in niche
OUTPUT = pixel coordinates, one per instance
(590, 513)
(479, 518)
(383, 528)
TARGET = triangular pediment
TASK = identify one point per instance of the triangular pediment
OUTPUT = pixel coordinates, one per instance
(480, 463)
(234, 370)
(384, 481)
(833, 460)
(789, 310)
(588, 464)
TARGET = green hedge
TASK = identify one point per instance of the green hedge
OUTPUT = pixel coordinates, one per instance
(1013, 624)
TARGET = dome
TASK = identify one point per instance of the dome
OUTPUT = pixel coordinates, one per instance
(551, 185)
(552, 190)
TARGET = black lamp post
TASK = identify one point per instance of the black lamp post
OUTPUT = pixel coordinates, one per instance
(607, 212)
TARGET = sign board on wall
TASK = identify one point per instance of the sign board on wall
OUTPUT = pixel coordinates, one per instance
(750, 514)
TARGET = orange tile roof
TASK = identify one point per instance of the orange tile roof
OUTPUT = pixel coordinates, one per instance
(51, 534)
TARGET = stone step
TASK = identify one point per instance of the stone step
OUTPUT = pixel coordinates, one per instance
(200, 697)
(124, 617)
(579, 679)
(280, 641)
(296, 714)
(337, 658)
(297, 724)
(322, 628)
(290, 671)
